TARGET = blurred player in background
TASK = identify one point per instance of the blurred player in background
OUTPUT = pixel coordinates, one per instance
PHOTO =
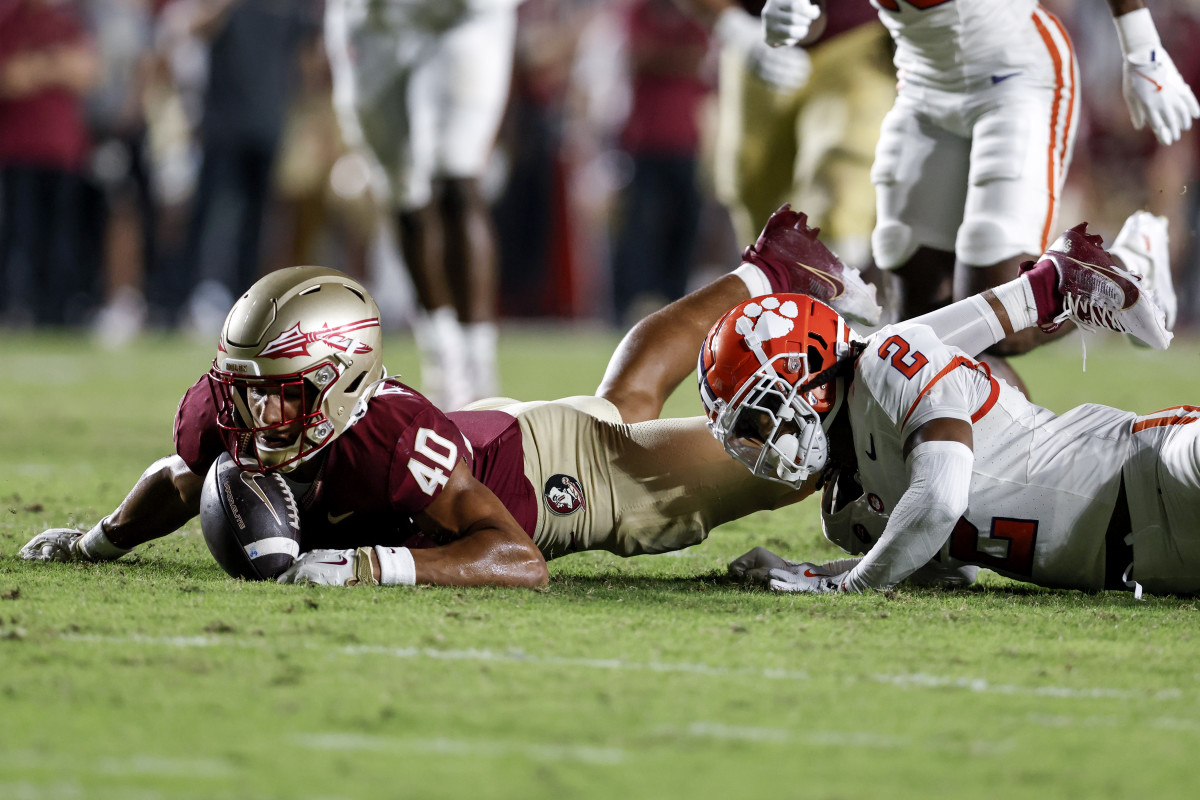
(800, 125)
(253, 46)
(423, 85)
(47, 63)
(971, 159)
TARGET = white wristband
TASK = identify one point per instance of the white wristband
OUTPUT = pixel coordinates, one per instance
(1136, 31)
(396, 567)
(96, 546)
(754, 278)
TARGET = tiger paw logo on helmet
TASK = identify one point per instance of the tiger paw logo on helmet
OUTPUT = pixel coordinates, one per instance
(769, 319)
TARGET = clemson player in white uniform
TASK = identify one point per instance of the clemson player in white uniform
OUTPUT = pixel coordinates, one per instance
(972, 158)
(941, 467)
(423, 85)
(1068, 501)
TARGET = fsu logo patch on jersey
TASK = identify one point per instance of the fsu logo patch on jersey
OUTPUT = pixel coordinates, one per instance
(875, 503)
(564, 495)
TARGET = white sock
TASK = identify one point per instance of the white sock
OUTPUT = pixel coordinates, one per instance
(754, 278)
(972, 326)
(441, 350)
(480, 338)
(969, 325)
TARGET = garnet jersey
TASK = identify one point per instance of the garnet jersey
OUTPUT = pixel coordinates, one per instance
(1043, 487)
(385, 468)
(951, 43)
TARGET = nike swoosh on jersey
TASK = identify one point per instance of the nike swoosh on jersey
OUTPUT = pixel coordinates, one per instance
(334, 519)
(1003, 78)
(341, 563)
(871, 450)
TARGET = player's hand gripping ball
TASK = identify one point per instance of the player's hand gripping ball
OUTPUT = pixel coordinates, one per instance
(250, 521)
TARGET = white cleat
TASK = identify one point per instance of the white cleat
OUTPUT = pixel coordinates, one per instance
(1144, 248)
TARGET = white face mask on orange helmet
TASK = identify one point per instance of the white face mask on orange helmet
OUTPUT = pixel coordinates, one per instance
(298, 356)
(752, 368)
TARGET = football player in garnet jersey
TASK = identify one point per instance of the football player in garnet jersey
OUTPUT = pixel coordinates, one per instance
(971, 160)
(298, 386)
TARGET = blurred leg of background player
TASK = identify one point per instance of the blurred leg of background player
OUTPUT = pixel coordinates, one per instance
(812, 146)
(423, 86)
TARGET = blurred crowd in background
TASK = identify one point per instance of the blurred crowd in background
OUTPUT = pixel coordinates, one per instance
(154, 163)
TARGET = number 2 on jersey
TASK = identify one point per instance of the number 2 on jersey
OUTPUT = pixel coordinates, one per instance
(900, 358)
(433, 461)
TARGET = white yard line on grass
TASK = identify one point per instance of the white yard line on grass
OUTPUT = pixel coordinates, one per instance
(902, 681)
(357, 742)
(827, 738)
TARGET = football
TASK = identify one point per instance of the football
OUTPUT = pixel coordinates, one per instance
(250, 521)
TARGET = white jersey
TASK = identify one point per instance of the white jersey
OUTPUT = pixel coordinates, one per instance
(422, 84)
(946, 43)
(1043, 487)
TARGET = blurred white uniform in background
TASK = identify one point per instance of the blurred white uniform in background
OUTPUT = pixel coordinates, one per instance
(423, 85)
(973, 156)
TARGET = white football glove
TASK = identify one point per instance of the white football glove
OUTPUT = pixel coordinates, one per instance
(330, 568)
(783, 68)
(805, 577)
(786, 22)
(68, 544)
(56, 544)
(1154, 90)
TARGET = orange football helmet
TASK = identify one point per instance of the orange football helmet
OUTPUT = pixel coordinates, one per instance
(756, 370)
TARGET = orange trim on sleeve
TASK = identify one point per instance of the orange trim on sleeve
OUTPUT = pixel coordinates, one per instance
(955, 363)
(1184, 415)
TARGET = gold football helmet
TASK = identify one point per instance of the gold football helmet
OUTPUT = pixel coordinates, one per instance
(299, 353)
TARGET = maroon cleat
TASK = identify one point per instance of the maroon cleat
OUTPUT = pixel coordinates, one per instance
(794, 260)
(1096, 293)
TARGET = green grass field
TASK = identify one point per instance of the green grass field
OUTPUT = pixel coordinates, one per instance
(158, 677)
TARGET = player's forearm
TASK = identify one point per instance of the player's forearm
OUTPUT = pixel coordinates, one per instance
(660, 351)
(490, 556)
(165, 497)
(937, 496)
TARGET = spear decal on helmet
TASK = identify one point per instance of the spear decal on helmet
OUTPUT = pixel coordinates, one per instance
(295, 342)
